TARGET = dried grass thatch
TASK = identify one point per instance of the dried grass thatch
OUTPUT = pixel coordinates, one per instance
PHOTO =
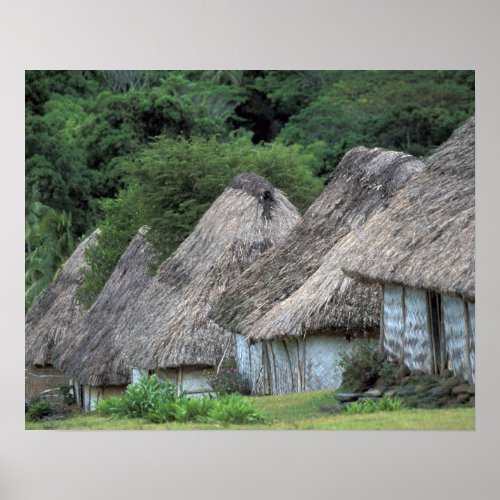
(426, 237)
(298, 287)
(169, 324)
(90, 355)
(56, 312)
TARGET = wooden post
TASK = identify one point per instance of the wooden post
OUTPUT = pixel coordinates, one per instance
(467, 341)
(442, 335)
(403, 304)
(381, 338)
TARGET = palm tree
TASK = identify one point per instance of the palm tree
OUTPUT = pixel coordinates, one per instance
(48, 243)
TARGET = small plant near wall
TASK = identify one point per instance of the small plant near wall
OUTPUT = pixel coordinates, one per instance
(360, 366)
(226, 379)
(39, 409)
(157, 401)
(369, 406)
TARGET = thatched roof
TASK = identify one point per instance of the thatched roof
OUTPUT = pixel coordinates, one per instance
(297, 287)
(169, 326)
(56, 311)
(426, 237)
(90, 355)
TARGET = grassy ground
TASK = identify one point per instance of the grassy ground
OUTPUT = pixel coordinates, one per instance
(292, 411)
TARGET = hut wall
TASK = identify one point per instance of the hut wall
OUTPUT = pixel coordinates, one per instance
(284, 373)
(295, 348)
(472, 319)
(259, 377)
(242, 356)
(322, 356)
(296, 365)
(196, 381)
(455, 334)
(394, 322)
(39, 379)
(137, 373)
(89, 395)
(417, 349)
(191, 381)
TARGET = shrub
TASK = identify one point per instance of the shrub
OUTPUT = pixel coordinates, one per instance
(145, 396)
(112, 406)
(163, 411)
(66, 392)
(360, 366)
(369, 406)
(388, 372)
(157, 402)
(39, 409)
(234, 409)
(227, 380)
(194, 408)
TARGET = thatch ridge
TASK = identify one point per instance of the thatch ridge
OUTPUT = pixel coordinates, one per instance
(90, 356)
(297, 287)
(168, 326)
(427, 237)
(56, 311)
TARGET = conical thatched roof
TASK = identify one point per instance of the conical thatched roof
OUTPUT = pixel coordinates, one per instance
(56, 311)
(169, 325)
(298, 286)
(426, 237)
(90, 356)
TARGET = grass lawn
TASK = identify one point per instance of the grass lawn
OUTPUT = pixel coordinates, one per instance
(291, 411)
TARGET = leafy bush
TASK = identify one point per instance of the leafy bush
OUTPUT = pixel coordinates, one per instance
(157, 402)
(227, 380)
(388, 372)
(163, 411)
(66, 392)
(359, 367)
(112, 406)
(194, 408)
(234, 409)
(39, 409)
(147, 395)
(369, 406)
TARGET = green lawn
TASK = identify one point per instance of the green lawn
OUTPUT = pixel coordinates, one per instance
(292, 411)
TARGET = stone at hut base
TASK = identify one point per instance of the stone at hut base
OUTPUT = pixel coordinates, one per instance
(440, 390)
(373, 393)
(406, 391)
(462, 398)
(463, 389)
(345, 397)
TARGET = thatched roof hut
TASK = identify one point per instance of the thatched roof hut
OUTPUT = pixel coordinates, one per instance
(426, 237)
(298, 287)
(295, 303)
(89, 357)
(56, 311)
(421, 249)
(168, 326)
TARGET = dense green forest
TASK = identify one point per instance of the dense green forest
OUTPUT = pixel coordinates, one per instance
(119, 149)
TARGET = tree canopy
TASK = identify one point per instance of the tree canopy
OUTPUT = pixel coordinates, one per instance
(119, 149)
